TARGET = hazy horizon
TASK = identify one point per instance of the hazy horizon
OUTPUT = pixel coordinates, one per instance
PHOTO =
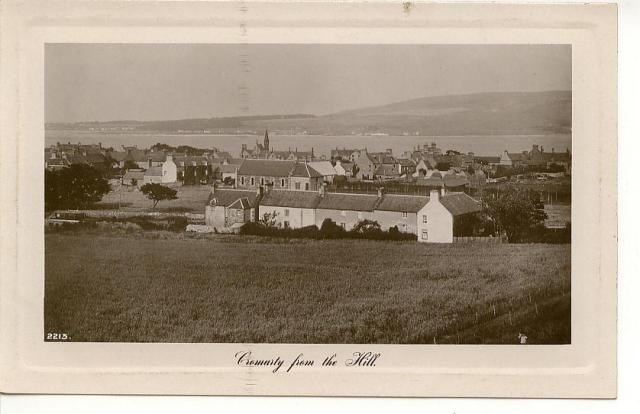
(116, 82)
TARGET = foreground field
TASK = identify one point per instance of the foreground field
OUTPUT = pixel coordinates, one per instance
(171, 288)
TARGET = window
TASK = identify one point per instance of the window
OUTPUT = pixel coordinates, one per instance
(253, 181)
(242, 180)
(404, 214)
(306, 186)
(261, 180)
(424, 235)
(282, 182)
(286, 224)
(286, 212)
(297, 186)
(424, 218)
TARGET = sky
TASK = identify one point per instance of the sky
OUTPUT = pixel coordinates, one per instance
(105, 82)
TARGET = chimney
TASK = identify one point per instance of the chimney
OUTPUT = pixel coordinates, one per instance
(442, 191)
(434, 195)
(380, 192)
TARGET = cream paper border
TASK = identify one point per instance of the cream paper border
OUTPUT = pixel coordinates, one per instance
(586, 368)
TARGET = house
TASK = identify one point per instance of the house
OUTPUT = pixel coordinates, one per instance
(435, 220)
(344, 168)
(229, 209)
(284, 175)
(325, 168)
(487, 160)
(343, 154)
(152, 175)
(305, 177)
(366, 165)
(406, 166)
(133, 177)
(400, 211)
(387, 172)
(169, 170)
(512, 159)
(346, 209)
(290, 208)
(253, 173)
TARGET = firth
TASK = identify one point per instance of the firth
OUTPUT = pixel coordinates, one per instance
(363, 359)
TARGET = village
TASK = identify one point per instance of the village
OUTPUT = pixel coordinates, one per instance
(424, 191)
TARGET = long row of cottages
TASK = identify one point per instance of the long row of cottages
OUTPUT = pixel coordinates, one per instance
(430, 218)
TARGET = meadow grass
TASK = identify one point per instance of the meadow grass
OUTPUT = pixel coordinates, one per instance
(170, 287)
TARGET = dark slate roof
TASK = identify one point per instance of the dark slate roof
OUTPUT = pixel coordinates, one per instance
(228, 168)
(157, 156)
(487, 158)
(266, 168)
(241, 204)
(454, 180)
(118, 155)
(226, 197)
(347, 201)
(430, 182)
(134, 174)
(153, 171)
(304, 170)
(460, 203)
(94, 157)
(402, 203)
(386, 170)
(289, 198)
(406, 162)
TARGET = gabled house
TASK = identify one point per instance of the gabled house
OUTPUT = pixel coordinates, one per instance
(435, 220)
(229, 209)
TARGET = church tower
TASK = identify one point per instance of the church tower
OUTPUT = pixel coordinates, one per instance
(266, 140)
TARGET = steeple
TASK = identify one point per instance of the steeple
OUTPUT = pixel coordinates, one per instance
(266, 140)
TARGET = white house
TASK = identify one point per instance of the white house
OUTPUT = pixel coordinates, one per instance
(343, 168)
(292, 209)
(436, 218)
(325, 168)
(169, 170)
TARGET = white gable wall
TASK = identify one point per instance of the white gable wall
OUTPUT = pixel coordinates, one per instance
(439, 225)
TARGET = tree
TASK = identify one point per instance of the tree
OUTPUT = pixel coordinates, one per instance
(331, 230)
(367, 227)
(518, 212)
(339, 181)
(77, 187)
(158, 192)
(269, 219)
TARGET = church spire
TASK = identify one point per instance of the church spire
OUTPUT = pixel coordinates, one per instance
(266, 140)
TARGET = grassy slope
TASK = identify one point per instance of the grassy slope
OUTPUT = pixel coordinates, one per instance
(238, 289)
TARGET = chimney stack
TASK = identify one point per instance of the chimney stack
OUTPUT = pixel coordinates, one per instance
(434, 195)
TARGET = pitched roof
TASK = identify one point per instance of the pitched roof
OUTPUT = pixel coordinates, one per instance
(228, 168)
(348, 201)
(406, 162)
(153, 171)
(460, 203)
(304, 170)
(226, 197)
(134, 174)
(386, 170)
(451, 180)
(266, 168)
(118, 155)
(241, 204)
(323, 167)
(402, 203)
(487, 158)
(289, 198)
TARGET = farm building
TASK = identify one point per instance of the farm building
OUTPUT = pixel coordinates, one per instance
(436, 219)
(229, 209)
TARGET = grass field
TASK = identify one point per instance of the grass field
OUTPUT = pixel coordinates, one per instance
(156, 286)
(190, 199)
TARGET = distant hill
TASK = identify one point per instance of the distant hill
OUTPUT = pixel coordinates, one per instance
(500, 113)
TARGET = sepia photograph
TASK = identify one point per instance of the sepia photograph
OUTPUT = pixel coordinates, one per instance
(308, 193)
